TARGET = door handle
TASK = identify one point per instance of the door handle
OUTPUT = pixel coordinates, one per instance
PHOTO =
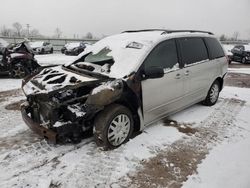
(187, 73)
(178, 76)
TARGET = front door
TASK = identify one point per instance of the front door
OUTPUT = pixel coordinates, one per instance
(163, 95)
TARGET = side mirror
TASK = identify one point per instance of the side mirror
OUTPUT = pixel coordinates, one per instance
(153, 72)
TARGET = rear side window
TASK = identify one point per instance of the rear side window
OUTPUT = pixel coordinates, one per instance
(164, 55)
(214, 47)
(193, 50)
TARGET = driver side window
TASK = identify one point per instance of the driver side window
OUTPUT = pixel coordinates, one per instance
(164, 55)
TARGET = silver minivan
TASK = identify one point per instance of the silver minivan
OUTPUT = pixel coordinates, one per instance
(124, 83)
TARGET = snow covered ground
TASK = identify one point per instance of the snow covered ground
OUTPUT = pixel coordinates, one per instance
(227, 165)
(218, 136)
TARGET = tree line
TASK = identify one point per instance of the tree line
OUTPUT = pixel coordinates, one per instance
(19, 30)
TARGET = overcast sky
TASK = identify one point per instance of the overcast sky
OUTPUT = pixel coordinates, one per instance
(113, 16)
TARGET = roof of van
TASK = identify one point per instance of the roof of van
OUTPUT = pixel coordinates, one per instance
(129, 48)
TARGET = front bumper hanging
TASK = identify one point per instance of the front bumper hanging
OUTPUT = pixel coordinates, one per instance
(48, 134)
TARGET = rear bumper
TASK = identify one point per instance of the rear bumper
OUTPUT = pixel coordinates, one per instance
(48, 134)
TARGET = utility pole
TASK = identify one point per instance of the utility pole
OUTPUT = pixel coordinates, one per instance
(28, 29)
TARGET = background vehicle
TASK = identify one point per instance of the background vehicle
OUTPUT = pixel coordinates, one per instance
(124, 83)
(18, 61)
(41, 47)
(241, 53)
(74, 48)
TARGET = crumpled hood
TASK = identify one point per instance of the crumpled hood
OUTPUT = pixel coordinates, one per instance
(53, 79)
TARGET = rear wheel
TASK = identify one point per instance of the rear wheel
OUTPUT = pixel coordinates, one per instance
(113, 126)
(213, 94)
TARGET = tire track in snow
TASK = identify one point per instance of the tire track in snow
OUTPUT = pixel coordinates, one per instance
(172, 166)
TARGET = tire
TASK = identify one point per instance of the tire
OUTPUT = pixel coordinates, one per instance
(51, 50)
(19, 71)
(213, 94)
(114, 118)
(42, 51)
(243, 60)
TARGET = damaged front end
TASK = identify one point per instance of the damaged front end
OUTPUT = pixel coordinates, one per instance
(61, 105)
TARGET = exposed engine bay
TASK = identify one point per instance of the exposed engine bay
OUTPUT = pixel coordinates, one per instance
(66, 102)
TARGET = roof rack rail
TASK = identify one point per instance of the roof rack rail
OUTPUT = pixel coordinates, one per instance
(164, 31)
(190, 31)
(143, 30)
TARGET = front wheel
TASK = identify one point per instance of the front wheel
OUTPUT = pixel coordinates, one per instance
(113, 126)
(51, 50)
(213, 94)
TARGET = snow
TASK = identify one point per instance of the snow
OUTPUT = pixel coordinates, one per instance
(29, 88)
(10, 84)
(105, 86)
(227, 165)
(126, 59)
(239, 70)
(3, 43)
(54, 59)
(36, 44)
(228, 48)
(72, 45)
(247, 47)
(76, 110)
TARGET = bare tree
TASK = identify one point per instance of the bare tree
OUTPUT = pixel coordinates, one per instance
(223, 37)
(89, 36)
(6, 31)
(58, 33)
(18, 27)
(34, 33)
(236, 35)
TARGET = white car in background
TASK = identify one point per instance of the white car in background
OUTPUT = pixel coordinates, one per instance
(41, 47)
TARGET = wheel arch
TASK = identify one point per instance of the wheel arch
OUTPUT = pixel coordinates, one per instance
(221, 82)
(133, 106)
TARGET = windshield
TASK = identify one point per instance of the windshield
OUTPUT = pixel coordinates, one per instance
(116, 56)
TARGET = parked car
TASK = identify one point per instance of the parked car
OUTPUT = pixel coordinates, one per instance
(18, 60)
(124, 83)
(241, 53)
(74, 48)
(41, 47)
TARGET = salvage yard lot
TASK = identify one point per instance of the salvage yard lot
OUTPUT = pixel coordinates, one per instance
(198, 147)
